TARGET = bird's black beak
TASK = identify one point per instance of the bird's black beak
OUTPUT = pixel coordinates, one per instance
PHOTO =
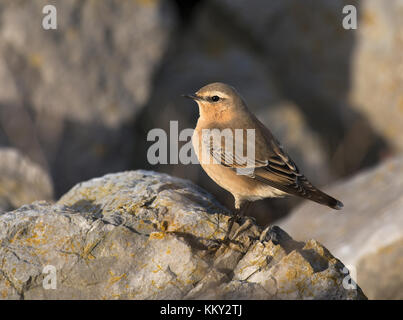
(192, 96)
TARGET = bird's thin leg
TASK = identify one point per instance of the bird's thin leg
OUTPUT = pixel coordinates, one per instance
(246, 224)
(239, 213)
(231, 223)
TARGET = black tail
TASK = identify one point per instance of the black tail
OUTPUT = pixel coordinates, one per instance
(323, 198)
(304, 189)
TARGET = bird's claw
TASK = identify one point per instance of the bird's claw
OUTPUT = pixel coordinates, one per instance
(242, 228)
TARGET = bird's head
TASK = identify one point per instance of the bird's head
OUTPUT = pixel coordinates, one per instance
(217, 100)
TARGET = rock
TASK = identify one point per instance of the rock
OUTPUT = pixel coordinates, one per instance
(378, 283)
(21, 180)
(367, 234)
(82, 85)
(144, 235)
(377, 68)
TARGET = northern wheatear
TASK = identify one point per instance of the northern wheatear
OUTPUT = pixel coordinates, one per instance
(267, 172)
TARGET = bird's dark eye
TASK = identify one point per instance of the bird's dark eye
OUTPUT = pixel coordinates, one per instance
(215, 98)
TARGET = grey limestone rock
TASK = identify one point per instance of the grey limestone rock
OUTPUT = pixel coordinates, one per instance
(144, 235)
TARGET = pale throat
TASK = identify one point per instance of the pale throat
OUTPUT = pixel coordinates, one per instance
(206, 114)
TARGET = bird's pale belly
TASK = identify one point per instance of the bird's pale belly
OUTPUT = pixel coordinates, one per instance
(239, 185)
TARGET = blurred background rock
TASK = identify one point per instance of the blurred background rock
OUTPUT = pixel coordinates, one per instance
(368, 235)
(21, 180)
(77, 102)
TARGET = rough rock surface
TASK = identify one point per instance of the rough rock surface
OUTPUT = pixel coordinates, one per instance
(367, 234)
(21, 180)
(143, 235)
(78, 86)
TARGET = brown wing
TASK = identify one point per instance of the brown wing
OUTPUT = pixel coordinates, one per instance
(270, 165)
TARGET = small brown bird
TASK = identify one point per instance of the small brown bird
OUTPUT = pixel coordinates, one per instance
(270, 171)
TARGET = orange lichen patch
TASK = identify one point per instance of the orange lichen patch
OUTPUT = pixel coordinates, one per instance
(61, 242)
(90, 194)
(89, 256)
(168, 251)
(189, 281)
(72, 246)
(294, 280)
(313, 244)
(37, 235)
(173, 226)
(157, 235)
(114, 278)
(157, 286)
(40, 252)
(125, 205)
(141, 224)
(255, 258)
(318, 248)
(292, 274)
(4, 293)
(297, 266)
(159, 268)
(87, 250)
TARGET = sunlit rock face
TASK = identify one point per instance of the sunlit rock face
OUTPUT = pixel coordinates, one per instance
(144, 235)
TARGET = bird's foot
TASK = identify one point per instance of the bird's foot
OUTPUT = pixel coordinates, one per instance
(249, 221)
(266, 234)
(243, 227)
(274, 234)
(231, 221)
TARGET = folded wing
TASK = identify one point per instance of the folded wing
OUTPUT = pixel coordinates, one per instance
(269, 164)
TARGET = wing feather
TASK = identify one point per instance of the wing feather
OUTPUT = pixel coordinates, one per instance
(270, 165)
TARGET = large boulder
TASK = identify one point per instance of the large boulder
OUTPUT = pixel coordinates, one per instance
(79, 86)
(143, 235)
(367, 233)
